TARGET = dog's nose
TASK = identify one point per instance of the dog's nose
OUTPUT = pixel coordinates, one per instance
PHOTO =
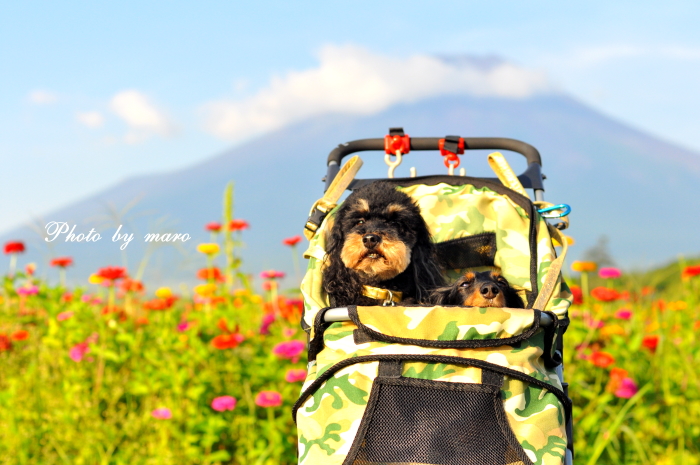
(489, 290)
(371, 240)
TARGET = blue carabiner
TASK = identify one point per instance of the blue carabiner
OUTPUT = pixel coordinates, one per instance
(562, 206)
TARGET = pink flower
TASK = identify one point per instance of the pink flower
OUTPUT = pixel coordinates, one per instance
(627, 388)
(162, 414)
(271, 274)
(183, 326)
(294, 375)
(78, 351)
(267, 320)
(596, 324)
(28, 290)
(268, 399)
(64, 316)
(289, 350)
(223, 403)
(624, 314)
(609, 273)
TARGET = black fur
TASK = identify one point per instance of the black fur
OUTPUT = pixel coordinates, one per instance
(461, 289)
(344, 285)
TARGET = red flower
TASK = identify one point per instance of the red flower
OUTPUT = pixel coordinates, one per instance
(210, 273)
(20, 335)
(5, 343)
(112, 273)
(227, 341)
(160, 303)
(650, 342)
(61, 262)
(578, 295)
(132, 285)
(238, 225)
(605, 294)
(688, 272)
(602, 359)
(213, 226)
(292, 241)
(14, 247)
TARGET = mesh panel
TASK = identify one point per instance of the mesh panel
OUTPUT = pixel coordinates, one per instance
(437, 423)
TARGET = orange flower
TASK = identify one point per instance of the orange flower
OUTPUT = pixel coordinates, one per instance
(5, 343)
(227, 341)
(583, 267)
(61, 262)
(616, 377)
(605, 294)
(651, 342)
(292, 241)
(647, 290)
(291, 309)
(238, 225)
(141, 321)
(213, 226)
(112, 273)
(160, 303)
(132, 285)
(578, 295)
(690, 271)
(602, 359)
(210, 273)
(20, 335)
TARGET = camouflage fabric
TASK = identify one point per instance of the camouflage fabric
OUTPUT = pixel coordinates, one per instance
(329, 418)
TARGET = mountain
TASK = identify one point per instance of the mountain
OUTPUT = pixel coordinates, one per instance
(636, 189)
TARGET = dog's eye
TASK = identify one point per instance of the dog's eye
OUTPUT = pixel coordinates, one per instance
(464, 284)
(502, 281)
(359, 222)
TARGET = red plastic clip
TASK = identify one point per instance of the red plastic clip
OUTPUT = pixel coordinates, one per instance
(451, 158)
(396, 143)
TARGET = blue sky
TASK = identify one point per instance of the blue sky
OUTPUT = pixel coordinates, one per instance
(93, 92)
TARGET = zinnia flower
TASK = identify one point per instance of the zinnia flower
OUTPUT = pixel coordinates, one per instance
(30, 268)
(213, 226)
(238, 225)
(205, 290)
(602, 359)
(78, 351)
(627, 388)
(624, 314)
(162, 414)
(164, 292)
(289, 350)
(61, 262)
(651, 342)
(578, 295)
(616, 376)
(267, 320)
(271, 274)
(20, 335)
(28, 290)
(223, 403)
(688, 271)
(183, 326)
(605, 294)
(227, 341)
(268, 399)
(292, 241)
(609, 273)
(95, 279)
(112, 273)
(5, 343)
(294, 375)
(583, 267)
(208, 248)
(14, 247)
(132, 285)
(210, 273)
(63, 316)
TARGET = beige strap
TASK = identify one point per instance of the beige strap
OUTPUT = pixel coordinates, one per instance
(330, 198)
(550, 280)
(385, 295)
(505, 173)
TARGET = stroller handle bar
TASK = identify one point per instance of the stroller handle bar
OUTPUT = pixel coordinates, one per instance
(431, 143)
(341, 314)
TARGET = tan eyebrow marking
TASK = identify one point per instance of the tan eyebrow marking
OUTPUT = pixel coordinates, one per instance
(363, 206)
(395, 208)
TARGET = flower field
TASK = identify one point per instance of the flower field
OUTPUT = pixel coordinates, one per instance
(113, 372)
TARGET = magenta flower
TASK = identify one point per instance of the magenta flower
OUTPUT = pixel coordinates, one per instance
(162, 414)
(183, 326)
(64, 316)
(294, 375)
(624, 314)
(609, 273)
(289, 332)
(78, 351)
(627, 388)
(267, 320)
(28, 290)
(268, 399)
(289, 350)
(271, 274)
(223, 403)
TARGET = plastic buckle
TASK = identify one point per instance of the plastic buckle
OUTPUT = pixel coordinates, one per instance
(545, 212)
(450, 147)
(397, 141)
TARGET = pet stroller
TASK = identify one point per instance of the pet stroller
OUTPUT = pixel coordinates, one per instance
(443, 385)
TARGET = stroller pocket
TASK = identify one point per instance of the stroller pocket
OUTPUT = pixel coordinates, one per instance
(416, 421)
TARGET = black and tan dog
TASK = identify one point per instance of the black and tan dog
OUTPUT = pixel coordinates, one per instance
(478, 289)
(378, 243)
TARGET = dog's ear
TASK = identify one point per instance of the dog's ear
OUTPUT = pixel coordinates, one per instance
(447, 295)
(341, 283)
(426, 272)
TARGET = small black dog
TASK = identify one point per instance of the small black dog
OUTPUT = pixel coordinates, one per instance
(380, 241)
(478, 289)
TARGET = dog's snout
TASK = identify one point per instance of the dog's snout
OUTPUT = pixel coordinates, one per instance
(489, 290)
(371, 240)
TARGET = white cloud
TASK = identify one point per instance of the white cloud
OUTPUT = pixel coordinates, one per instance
(42, 97)
(91, 119)
(351, 79)
(143, 117)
